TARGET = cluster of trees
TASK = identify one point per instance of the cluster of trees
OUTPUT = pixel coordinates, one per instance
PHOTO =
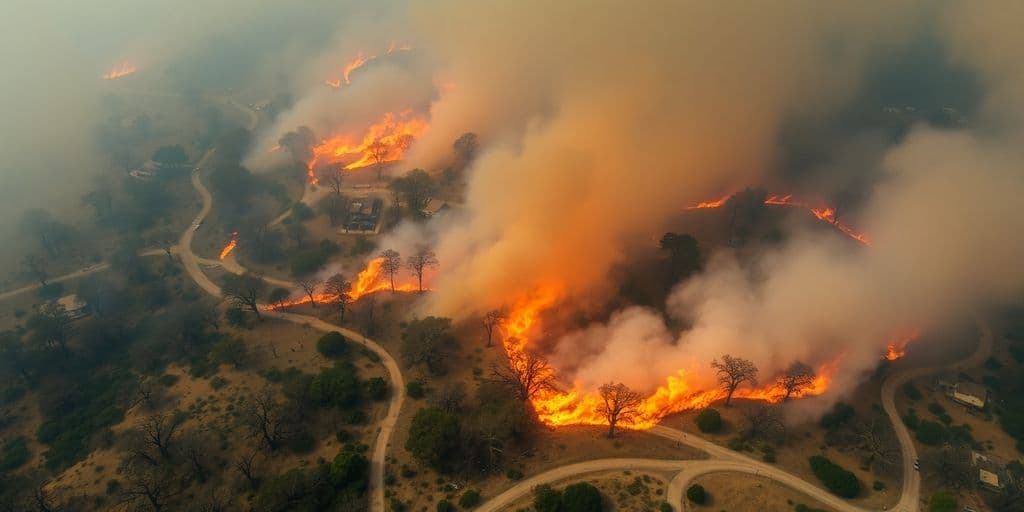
(417, 264)
(578, 497)
(837, 480)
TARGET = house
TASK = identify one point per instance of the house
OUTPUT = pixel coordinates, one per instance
(364, 213)
(990, 472)
(969, 393)
(76, 307)
(433, 207)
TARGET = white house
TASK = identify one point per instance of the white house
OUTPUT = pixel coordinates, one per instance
(970, 394)
(990, 472)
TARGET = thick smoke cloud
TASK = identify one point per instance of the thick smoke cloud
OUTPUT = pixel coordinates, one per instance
(603, 119)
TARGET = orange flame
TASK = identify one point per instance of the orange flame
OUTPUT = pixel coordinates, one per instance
(709, 204)
(826, 214)
(230, 246)
(369, 280)
(679, 393)
(120, 71)
(388, 138)
(395, 46)
(897, 347)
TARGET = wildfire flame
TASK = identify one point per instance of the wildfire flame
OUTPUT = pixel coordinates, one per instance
(369, 280)
(120, 71)
(897, 347)
(384, 141)
(230, 246)
(679, 393)
(824, 214)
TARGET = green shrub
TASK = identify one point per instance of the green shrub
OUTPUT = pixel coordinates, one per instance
(709, 421)
(911, 392)
(218, 382)
(936, 409)
(837, 480)
(581, 497)
(167, 380)
(445, 506)
(235, 317)
(332, 345)
(942, 501)
(414, 390)
(301, 442)
(377, 388)
(470, 499)
(697, 494)
(878, 485)
(15, 454)
(931, 433)
(664, 507)
(514, 474)
(546, 499)
(434, 438)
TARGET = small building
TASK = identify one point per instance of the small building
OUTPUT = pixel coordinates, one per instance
(434, 207)
(364, 213)
(990, 472)
(969, 393)
(76, 307)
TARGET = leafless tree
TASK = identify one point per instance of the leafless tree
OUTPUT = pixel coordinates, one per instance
(391, 265)
(166, 240)
(620, 404)
(494, 318)
(876, 438)
(43, 500)
(297, 232)
(950, 466)
(451, 397)
(195, 448)
(527, 374)
(419, 262)
(36, 266)
(310, 285)
(339, 288)
(796, 378)
(244, 291)
(267, 419)
(148, 394)
(159, 430)
(331, 176)
(155, 486)
(246, 465)
(732, 372)
(378, 151)
(764, 422)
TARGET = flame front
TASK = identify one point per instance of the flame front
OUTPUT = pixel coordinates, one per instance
(679, 393)
(386, 140)
(230, 246)
(369, 280)
(120, 71)
(824, 214)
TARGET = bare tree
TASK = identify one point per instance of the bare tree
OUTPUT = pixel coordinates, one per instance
(732, 372)
(310, 285)
(43, 500)
(419, 262)
(950, 466)
(36, 267)
(332, 177)
(246, 465)
(166, 240)
(244, 291)
(267, 419)
(391, 265)
(195, 448)
(876, 438)
(451, 397)
(493, 318)
(620, 404)
(338, 288)
(378, 151)
(159, 430)
(796, 378)
(527, 375)
(764, 422)
(153, 485)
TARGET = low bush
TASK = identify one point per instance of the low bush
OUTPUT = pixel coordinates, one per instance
(840, 414)
(911, 392)
(469, 499)
(414, 390)
(837, 480)
(709, 421)
(931, 433)
(697, 494)
(15, 454)
(332, 345)
(581, 497)
(546, 499)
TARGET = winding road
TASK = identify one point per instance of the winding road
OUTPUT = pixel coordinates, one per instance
(720, 458)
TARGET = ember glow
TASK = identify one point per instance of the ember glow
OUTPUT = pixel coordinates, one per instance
(384, 141)
(679, 393)
(824, 214)
(230, 246)
(120, 71)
